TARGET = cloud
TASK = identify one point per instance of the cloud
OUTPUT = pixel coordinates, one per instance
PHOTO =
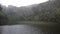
(21, 2)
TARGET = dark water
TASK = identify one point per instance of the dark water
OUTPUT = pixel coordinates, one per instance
(28, 29)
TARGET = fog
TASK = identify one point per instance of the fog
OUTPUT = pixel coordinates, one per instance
(19, 3)
(45, 17)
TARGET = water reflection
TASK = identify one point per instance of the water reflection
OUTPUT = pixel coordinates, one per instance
(28, 29)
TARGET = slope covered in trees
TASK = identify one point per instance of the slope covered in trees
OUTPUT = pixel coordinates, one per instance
(47, 12)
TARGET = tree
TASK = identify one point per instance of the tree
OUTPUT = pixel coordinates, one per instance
(3, 17)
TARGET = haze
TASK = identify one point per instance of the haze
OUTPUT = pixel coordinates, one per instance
(19, 3)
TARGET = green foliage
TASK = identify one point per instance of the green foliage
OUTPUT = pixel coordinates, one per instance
(3, 17)
(45, 12)
(1, 14)
(58, 11)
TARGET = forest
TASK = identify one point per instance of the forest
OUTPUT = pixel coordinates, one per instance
(44, 12)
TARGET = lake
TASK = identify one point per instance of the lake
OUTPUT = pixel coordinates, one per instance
(27, 29)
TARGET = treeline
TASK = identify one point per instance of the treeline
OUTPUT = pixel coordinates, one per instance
(48, 12)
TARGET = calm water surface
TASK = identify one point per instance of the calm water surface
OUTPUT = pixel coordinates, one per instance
(26, 29)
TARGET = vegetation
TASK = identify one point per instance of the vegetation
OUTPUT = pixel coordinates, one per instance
(3, 18)
(47, 12)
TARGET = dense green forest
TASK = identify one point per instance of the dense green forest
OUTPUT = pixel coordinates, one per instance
(46, 12)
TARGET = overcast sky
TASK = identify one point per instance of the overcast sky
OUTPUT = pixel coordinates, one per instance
(21, 2)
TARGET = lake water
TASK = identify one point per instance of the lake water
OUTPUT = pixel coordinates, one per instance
(25, 29)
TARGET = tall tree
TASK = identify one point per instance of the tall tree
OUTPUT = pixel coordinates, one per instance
(3, 17)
